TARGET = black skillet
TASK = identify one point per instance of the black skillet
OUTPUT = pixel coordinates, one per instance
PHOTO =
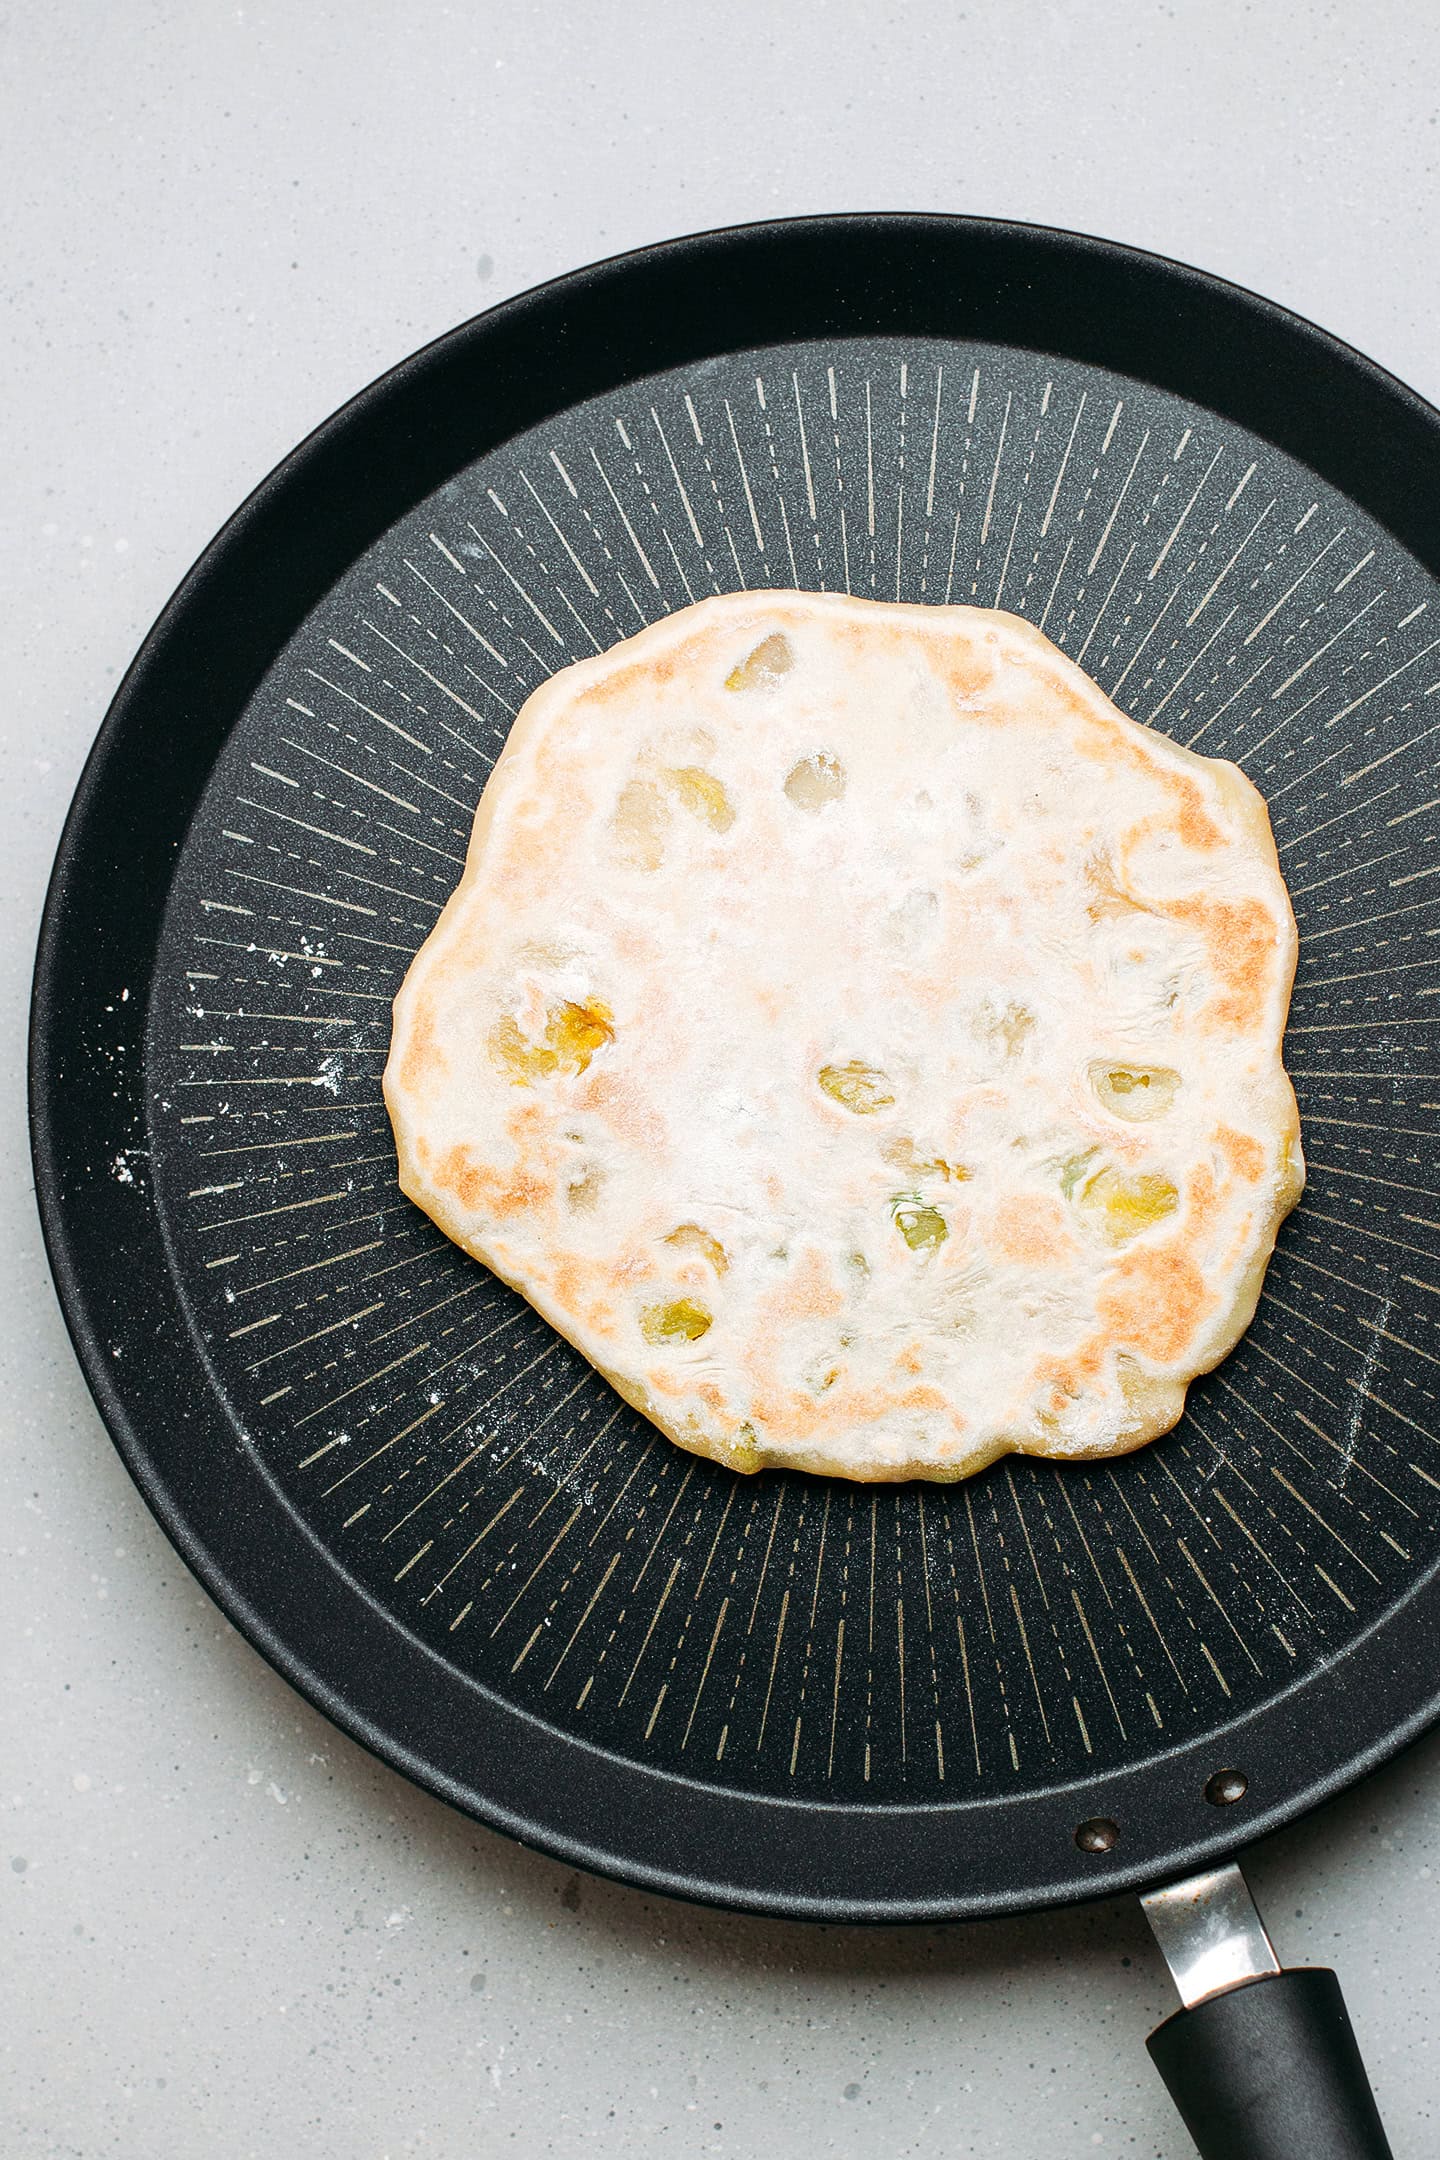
(425, 1510)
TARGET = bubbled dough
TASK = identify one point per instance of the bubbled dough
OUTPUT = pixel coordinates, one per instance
(860, 1040)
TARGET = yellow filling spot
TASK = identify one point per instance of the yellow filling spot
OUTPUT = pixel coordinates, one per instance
(1110, 897)
(582, 1192)
(682, 1321)
(1134, 1092)
(904, 1155)
(743, 1452)
(856, 1087)
(1073, 1168)
(815, 781)
(642, 818)
(762, 668)
(921, 1225)
(691, 1238)
(1123, 1204)
(1010, 1027)
(702, 795)
(573, 1033)
(822, 1376)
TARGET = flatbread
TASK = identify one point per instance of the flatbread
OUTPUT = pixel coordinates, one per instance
(860, 1040)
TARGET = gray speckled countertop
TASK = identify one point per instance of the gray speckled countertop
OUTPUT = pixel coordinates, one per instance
(226, 1929)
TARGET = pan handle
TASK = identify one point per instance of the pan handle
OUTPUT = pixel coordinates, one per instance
(1262, 2064)
(1271, 2071)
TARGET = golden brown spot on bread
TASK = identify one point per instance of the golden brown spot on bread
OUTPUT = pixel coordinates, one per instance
(1186, 816)
(809, 1291)
(1030, 1228)
(626, 1109)
(966, 673)
(1066, 1378)
(576, 1291)
(540, 829)
(424, 1061)
(518, 1193)
(797, 1413)
(1111, 743)
(621, 686)
(1244, 1154)
(527, 1124)
(1196, 828)
(1240, 941)
(483, 1190)
(922, 1398)
(1156, 1302)
(1202, 1200)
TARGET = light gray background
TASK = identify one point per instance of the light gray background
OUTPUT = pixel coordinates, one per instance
(226, 1930)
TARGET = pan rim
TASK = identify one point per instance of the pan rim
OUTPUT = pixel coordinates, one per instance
(1392, 1688)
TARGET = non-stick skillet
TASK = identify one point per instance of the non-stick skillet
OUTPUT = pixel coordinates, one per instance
(419, 1504)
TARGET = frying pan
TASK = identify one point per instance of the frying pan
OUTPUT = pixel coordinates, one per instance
(420, 1505)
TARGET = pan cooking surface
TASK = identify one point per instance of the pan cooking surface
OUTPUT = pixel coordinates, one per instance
(783, 1635)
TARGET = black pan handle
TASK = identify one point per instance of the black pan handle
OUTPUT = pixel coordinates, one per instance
(1271, 2071)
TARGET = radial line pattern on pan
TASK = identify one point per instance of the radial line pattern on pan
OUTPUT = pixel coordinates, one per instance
(460, 1459)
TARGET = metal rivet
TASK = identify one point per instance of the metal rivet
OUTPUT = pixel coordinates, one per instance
(1099, 1835)
(1226, 1787)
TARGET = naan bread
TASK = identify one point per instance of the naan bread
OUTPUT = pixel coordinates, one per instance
(861, 1040)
